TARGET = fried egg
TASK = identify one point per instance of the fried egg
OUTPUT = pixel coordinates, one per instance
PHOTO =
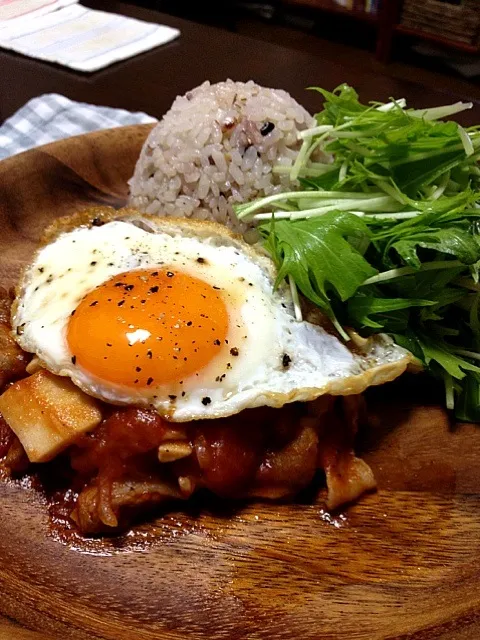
(181, 316)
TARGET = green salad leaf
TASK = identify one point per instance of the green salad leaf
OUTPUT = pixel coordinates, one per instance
(320, 258)
(460, 243)
(361, 308)
(381, 229)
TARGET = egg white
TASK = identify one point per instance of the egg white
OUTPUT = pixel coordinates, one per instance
(279, 359)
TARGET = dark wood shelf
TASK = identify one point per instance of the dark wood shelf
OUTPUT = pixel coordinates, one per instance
(332, 7)
(438, 39)
(387, 22)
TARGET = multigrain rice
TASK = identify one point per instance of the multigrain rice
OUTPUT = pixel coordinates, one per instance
(216, 147)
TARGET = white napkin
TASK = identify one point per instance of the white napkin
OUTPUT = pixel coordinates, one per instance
(12, 9)
(81, 38)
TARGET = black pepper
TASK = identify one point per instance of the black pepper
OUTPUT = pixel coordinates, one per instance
(286, 360)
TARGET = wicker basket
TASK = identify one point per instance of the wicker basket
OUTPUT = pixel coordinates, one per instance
(459, 21)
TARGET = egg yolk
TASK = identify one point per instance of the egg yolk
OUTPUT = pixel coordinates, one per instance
(148, 327)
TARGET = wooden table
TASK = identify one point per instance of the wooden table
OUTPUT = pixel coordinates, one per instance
(149, 82)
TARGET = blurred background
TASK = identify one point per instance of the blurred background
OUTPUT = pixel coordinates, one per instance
(439, 38)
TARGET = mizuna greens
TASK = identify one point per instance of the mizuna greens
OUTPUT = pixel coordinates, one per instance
(381, 231)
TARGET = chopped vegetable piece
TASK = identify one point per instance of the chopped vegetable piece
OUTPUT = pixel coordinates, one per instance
(48, 413)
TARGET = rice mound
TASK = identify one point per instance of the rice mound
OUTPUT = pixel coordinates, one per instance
(216, 147)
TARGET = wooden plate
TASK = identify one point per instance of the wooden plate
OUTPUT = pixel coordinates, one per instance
(402, 563)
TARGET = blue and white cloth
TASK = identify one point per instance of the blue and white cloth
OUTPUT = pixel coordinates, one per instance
(51, 117)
